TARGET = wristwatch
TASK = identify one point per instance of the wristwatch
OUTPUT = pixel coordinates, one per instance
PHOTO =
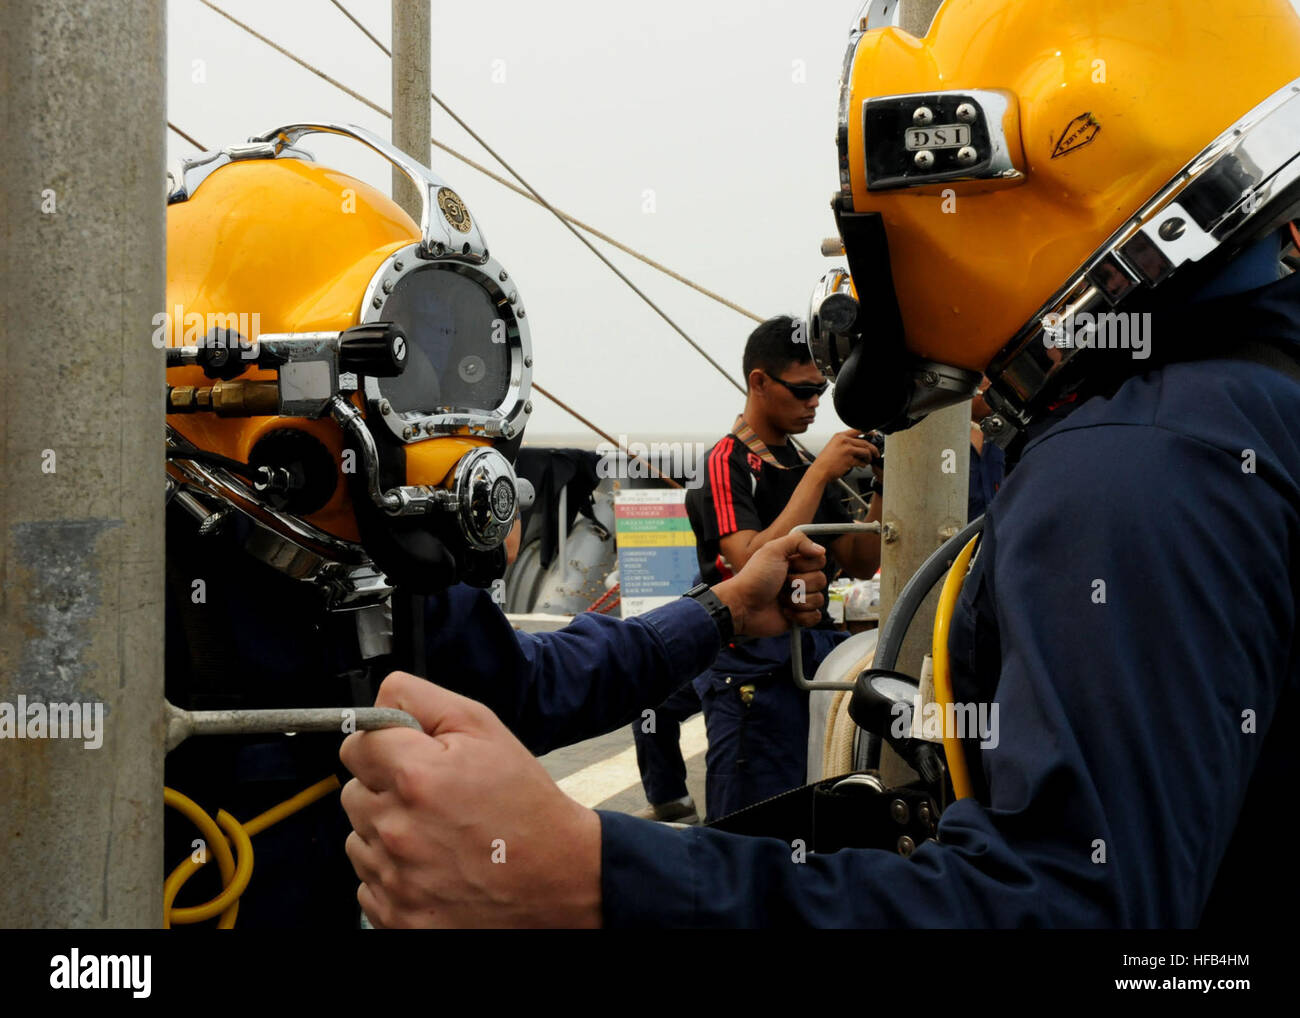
(718, 612)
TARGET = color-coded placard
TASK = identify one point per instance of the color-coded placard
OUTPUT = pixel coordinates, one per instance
(656, 548)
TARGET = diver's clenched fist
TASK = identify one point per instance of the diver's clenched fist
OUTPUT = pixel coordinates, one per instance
(460, 825)
(781, 583)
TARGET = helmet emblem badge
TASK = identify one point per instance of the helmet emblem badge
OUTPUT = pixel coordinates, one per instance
(1078, 132)
(454, 209)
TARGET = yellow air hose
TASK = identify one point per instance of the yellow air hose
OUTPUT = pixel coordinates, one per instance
(952, 747)
(234, 875)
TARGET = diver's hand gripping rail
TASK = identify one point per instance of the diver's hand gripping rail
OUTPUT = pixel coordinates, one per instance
(905, 607)
(796, 632)
(181, 724)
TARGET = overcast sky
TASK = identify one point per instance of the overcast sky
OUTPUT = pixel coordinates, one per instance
(723, 109)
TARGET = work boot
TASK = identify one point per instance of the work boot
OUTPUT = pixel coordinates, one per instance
(675, 811)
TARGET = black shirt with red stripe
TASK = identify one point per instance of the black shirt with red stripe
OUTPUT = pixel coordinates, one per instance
(740, 490)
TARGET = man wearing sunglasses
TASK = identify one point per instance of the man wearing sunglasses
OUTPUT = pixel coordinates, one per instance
(756, 488)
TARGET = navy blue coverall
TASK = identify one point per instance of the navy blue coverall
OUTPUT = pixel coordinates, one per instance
(659, 751)
(987, 469)
(1132, 614)
(755, 716)
(755, 749)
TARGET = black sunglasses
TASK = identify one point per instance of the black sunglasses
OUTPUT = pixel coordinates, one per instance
(802, 391)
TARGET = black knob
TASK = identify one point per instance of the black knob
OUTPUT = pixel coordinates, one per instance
(378, 350)
(221, 354)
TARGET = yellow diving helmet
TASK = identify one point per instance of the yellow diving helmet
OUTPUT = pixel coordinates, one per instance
(350, 386)
(1019, 161)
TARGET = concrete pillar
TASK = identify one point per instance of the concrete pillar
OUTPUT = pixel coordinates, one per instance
(927, 476)
(914, 16)
(81, 461)
(412, 124)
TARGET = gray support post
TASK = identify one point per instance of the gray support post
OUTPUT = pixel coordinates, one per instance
(81, 463)
(412, 83)
(927, 475)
